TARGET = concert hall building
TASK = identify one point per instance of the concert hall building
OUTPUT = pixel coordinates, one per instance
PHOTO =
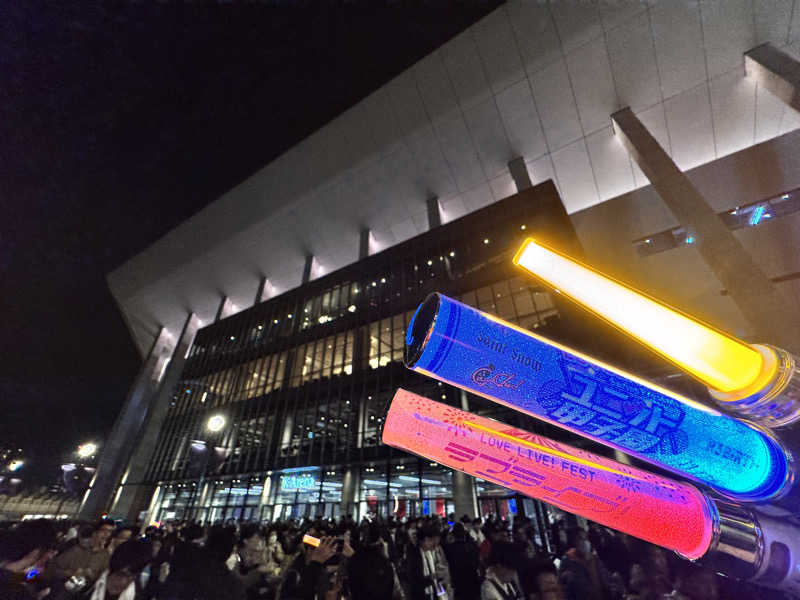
(271, 324)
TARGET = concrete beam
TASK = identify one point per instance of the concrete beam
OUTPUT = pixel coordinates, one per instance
(116, 451)
(307, 268)
(434, 212)
(776, 71)
(756, 296)
(225, 309)
(135, 494)
(519, 173)
(363, 243)
(264, 291)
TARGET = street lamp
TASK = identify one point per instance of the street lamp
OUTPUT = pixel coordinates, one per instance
(86, 450)
(215, 423)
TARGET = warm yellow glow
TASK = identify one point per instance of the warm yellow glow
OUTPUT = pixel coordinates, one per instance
(721, 362)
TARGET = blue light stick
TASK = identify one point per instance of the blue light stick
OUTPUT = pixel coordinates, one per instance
(465, 347)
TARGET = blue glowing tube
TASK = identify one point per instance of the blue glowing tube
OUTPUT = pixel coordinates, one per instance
(465, 347)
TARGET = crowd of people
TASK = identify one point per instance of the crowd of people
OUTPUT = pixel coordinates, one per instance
(428, 558)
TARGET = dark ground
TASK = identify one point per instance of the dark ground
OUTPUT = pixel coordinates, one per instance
(116, 124)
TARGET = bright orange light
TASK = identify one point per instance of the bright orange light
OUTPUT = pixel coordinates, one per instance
(721, 362)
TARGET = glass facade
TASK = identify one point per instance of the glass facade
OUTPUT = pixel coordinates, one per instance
(302, 380)
(750, 215)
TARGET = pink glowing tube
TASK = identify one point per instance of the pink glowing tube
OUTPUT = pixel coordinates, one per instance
(659, 510)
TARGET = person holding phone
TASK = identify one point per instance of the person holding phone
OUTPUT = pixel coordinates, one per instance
(420, 566)
(306, 578)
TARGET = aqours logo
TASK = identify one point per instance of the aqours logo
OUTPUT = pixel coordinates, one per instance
(487, 376)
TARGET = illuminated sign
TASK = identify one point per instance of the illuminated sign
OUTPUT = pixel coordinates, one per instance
(298, 481)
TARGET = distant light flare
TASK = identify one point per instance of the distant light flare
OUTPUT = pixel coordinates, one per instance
(86, 450)
(215, 423)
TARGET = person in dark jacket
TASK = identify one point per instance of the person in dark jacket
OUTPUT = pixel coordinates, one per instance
(462, 555)
(420, 568)
(23, 554)
(306, 578)
(370, 572)
(209, 578)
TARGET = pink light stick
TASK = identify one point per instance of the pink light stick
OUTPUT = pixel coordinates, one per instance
(656, 509)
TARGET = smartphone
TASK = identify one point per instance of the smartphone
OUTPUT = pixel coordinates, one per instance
(313, 541)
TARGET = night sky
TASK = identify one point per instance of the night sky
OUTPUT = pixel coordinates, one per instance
(116, 124)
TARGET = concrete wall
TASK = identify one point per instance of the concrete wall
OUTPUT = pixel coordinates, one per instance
(679, 276)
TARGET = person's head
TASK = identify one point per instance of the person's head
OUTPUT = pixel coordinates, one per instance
(220, 543)
(272, 537)
(697, 583)
(498, 533)
(547, 584)
(638, 578)
(120, 537)
(26, 545)
(502, 560)
(459, 531)
(102, 533)
(429, 537)
(193, 533)
(580, 541)
(126, 563)
(251, 538)
(86, 536)
(372, 535)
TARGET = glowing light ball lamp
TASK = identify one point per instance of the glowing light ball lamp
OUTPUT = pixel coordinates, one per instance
(215, 423)
(758, 381)
(473, 350)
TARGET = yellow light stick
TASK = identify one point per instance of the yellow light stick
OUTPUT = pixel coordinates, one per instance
(744, 377)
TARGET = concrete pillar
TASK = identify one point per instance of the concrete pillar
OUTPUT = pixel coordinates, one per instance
(307, 268)
(117, 449)
(363, 243)
(350, 491)
(776, 71)
(135, 492)
(225, 309)
(266, 490)
(288, 424)
(434, 212)
(519, 173)
(264, 291)
(155, 501)
(462, 395)
(464, 495)
(757, 297)
(362, 419)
